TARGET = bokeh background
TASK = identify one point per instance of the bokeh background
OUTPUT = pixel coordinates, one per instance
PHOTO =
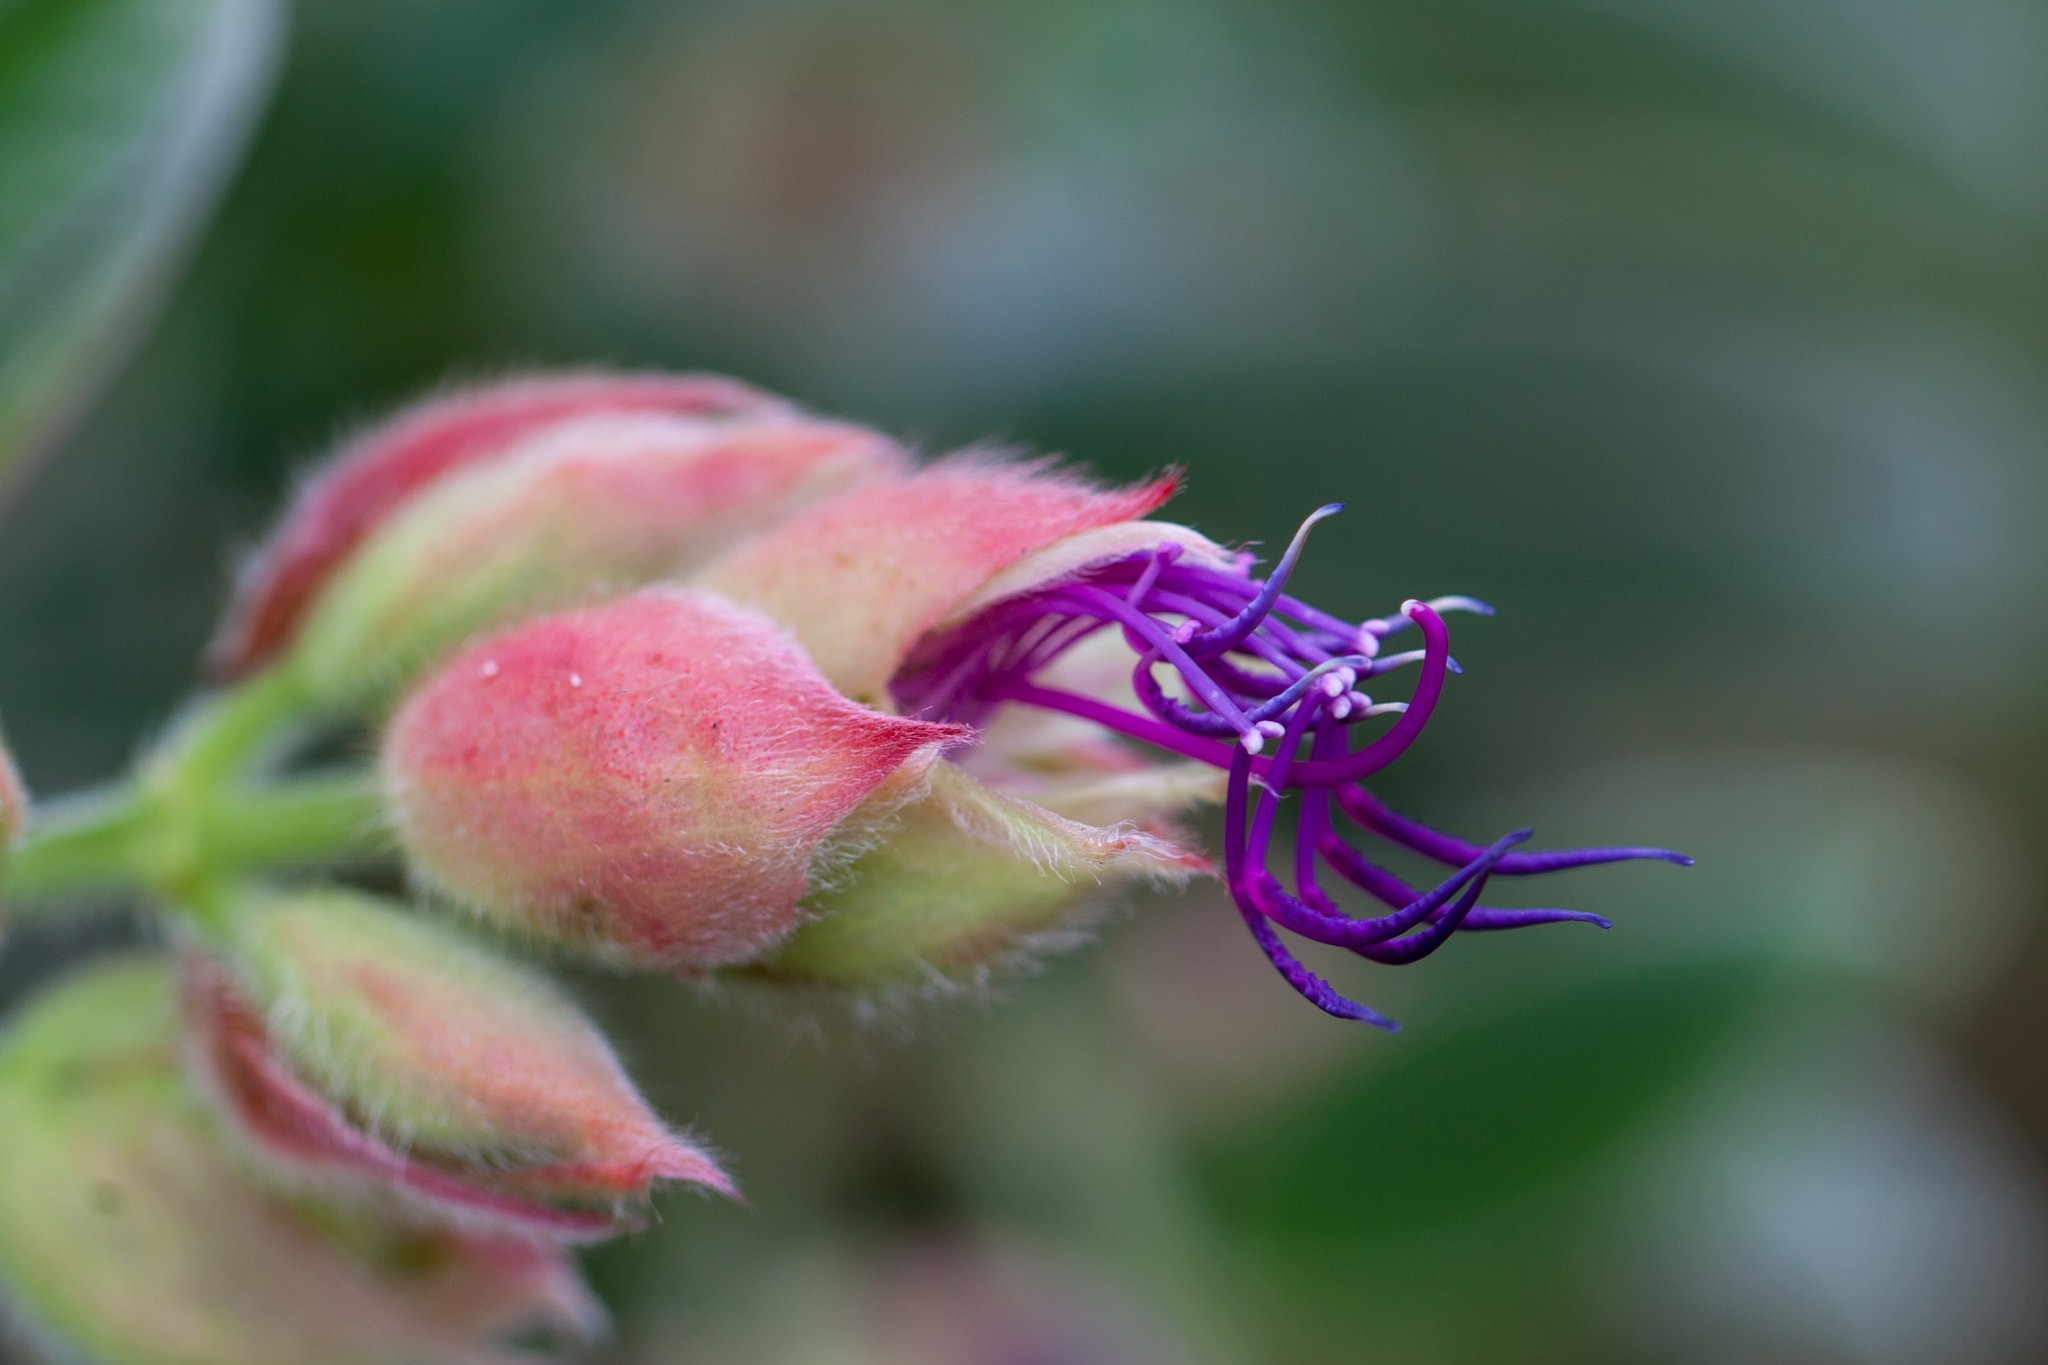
(1709, 342)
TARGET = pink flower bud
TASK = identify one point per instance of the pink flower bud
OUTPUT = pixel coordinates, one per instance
(357, 1048)
(861, 578)
(386, 466)
(656, 779)
(583, 504)
(129, 1232)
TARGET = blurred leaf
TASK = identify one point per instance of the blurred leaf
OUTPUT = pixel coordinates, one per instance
(119, 121)
(1464, 1119)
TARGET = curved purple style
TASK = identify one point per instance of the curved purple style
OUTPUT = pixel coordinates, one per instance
(1257, 668)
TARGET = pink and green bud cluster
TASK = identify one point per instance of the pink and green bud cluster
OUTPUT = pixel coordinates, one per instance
(688, 779)
(674, 676)
(131, 1233)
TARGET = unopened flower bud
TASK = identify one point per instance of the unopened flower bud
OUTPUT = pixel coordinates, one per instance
(656, 779)
(386, 466)
(130, 1233)
(603, 501)
(859, 579)
(358, 1048)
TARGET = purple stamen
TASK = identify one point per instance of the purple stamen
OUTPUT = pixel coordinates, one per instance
(1395, 742)
(1259, 667)
(1384, 886)
(1229, 636)
(1138, 626)
(1416, 947)
(1161, 557)
(1311, 987)
(1367, 810)
(1341, 932)
(1394, 625)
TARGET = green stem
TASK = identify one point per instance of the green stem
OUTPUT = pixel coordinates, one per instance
(124, 838)
(84, 842)
(217, 739)
(312, 819)
(190, 816)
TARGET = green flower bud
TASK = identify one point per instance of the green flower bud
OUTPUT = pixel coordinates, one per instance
(130, 1234)
(361, 1049)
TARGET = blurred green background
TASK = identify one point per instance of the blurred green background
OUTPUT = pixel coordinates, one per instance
(1709, 342)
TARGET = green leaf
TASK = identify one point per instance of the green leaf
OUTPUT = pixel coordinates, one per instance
(119, 123)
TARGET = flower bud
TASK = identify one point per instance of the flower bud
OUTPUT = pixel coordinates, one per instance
(582, 504)
(129, 1233)
(386, 466)
(654, 779)
(861, 578)
(357, 1048)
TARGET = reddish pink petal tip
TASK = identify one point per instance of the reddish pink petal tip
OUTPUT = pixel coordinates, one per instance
(383, 467)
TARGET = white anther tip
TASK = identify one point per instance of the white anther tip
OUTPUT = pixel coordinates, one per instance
(1253, 741)
(1271, 729)
(1184, 632)
(1333, 684)
(1340, 708)
(1412, 606)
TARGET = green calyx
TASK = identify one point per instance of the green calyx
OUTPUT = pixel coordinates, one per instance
(967, 881)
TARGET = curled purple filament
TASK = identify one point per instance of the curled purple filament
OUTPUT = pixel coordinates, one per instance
(1266, 688)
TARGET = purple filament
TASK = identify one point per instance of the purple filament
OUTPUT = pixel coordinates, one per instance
(1256, 667)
